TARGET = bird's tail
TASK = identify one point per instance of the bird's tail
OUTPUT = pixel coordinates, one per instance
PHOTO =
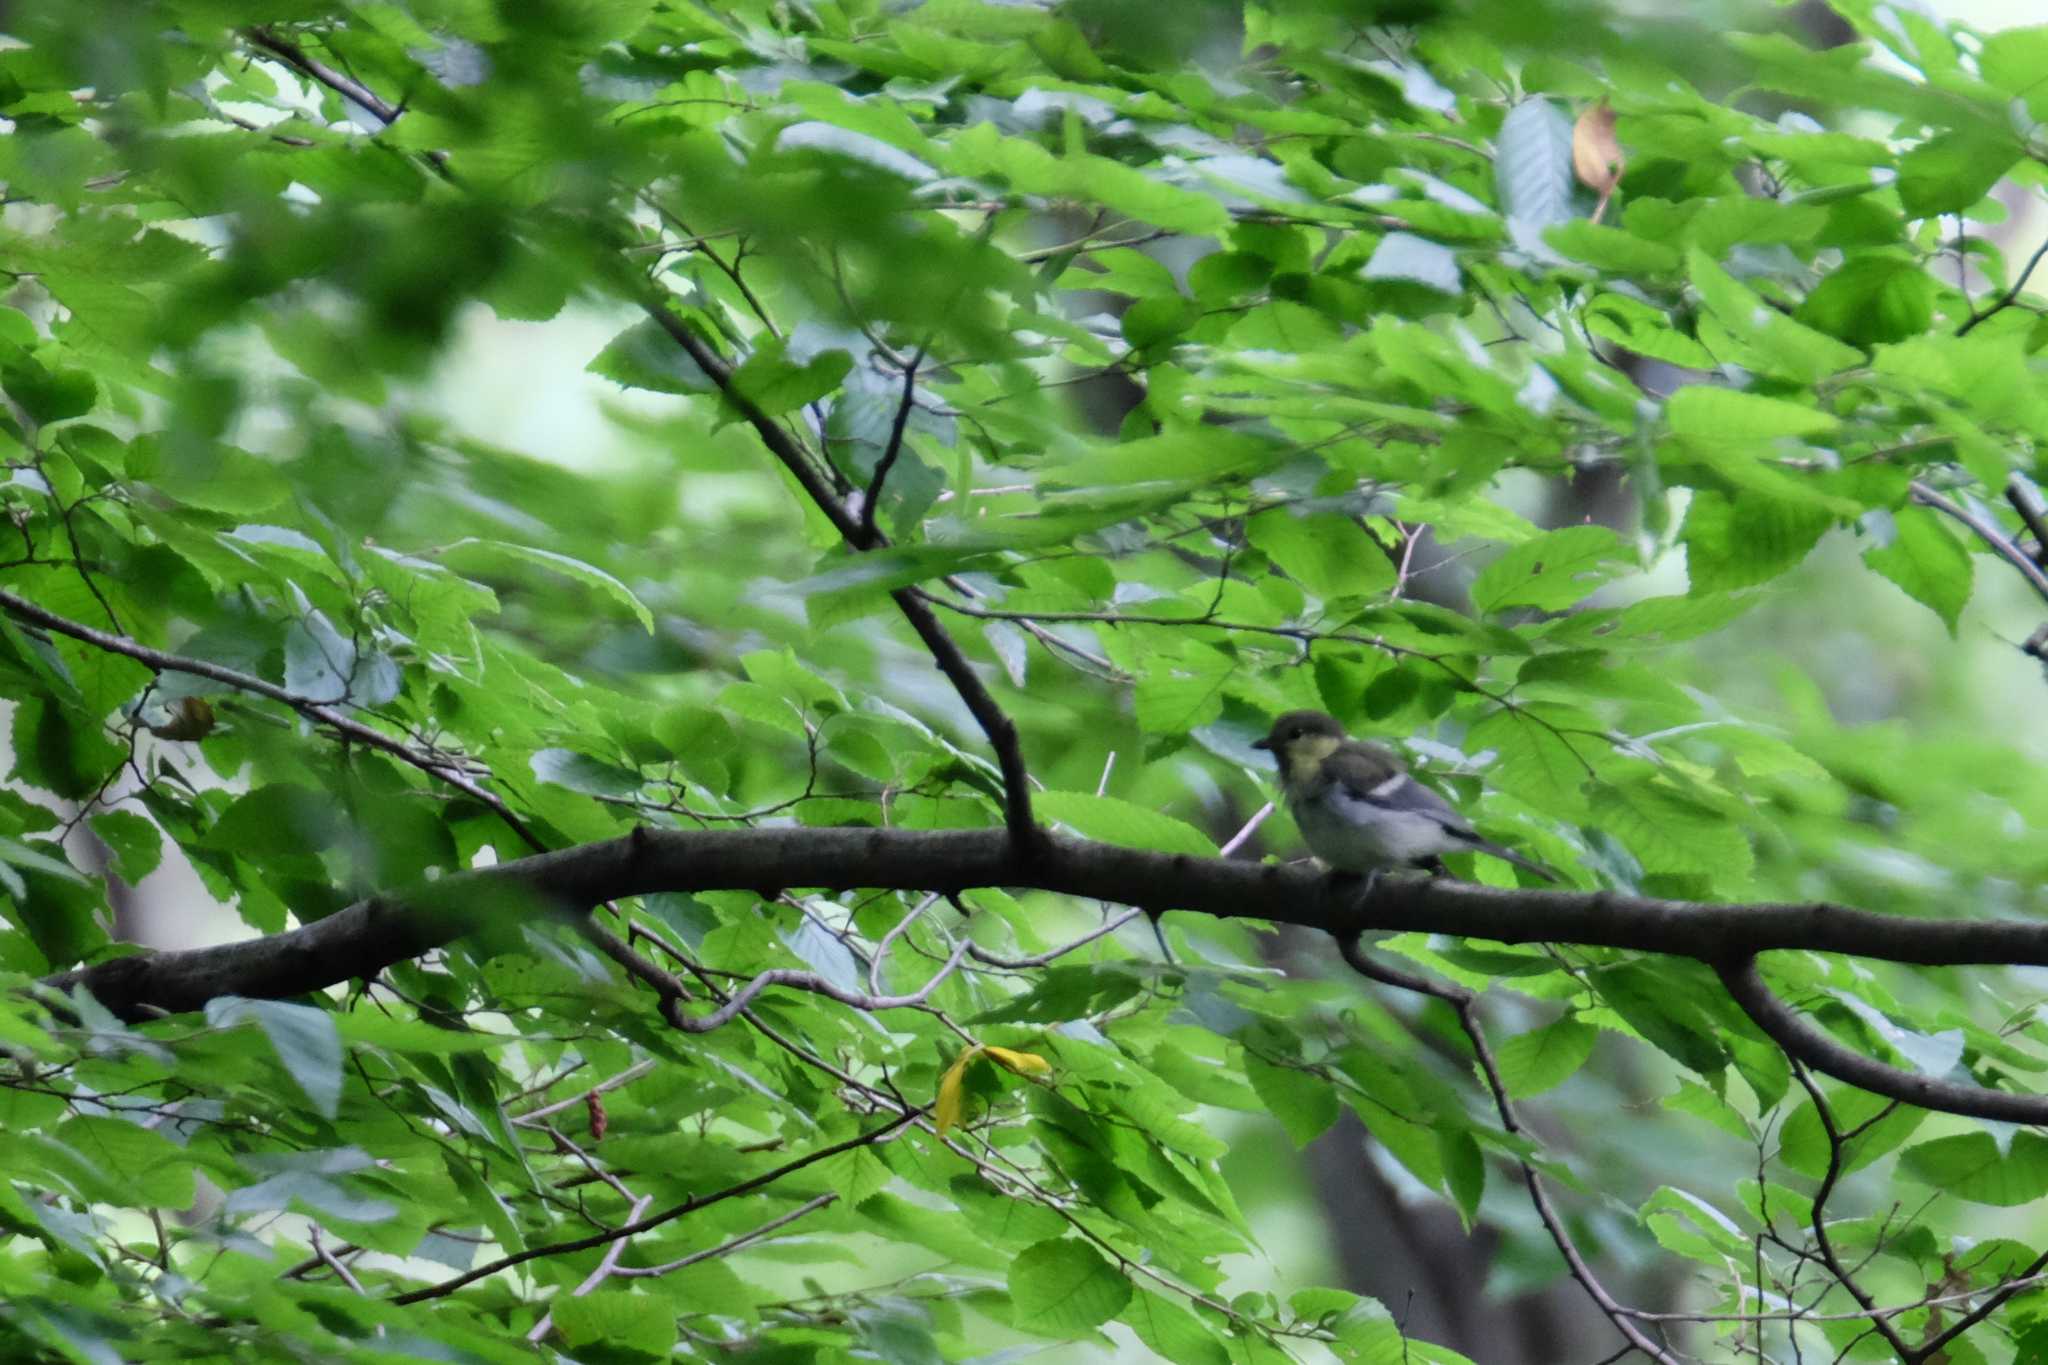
(1509, 855)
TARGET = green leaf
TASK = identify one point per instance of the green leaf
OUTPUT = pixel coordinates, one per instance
(1669, 832)
(1326, 552)
(1117, 821)
(776, 384)
(134, 841)
(1927, 561)
(1970, 1166)
(1404, 256)
(1532, 163)
(644, 356)
(1175, 457)
(1064, 1285)
(1749, 538)
(1872, 298)
(304, 1038)
(488, 556)
(1533, 1062)
(640, 1326)
(1172, 1332)
(1952, 171)
(1719, 414)
(582, 773)
(1555, 570)
(1612, 249)
(1305, 1104)
(1671, 1020)
(46, 395)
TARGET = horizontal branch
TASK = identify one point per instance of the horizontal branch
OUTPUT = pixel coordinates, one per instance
(376, 933)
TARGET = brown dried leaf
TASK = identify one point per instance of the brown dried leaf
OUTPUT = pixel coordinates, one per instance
(1597, 158)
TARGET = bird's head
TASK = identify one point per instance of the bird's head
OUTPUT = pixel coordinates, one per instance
(1301, 740)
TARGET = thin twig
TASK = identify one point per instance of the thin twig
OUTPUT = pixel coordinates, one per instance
(1464, 1003)
(1881, 1325)
(2010, 296)
(873, 501)
(728, 1247)
(639, 1225)
(444, 768)
(817, 985)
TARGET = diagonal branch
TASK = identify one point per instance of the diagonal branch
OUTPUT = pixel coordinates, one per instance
(2010, 296)
(890, 453)
(995, 723)
(639, 1225)
(1807, 1043)
(1988, 531)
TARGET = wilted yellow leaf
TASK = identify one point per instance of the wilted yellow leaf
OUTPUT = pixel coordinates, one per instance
(952, 1097)
(952, 1093)
(1023, 1063)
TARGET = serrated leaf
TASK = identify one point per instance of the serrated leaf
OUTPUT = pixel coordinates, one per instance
(1534, 1061)
(1927, 561)
(1555, 570)
(1064, 1285)
(1532, 163)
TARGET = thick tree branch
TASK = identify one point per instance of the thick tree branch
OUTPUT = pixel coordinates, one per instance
(371, 935)
(1809, 1044)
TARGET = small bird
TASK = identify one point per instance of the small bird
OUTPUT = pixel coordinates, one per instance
(1359, 809)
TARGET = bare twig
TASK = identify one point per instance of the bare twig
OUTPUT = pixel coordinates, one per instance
(2027, 502)
(1881, 1325)
(639, 1225)
(2009, 297)
(817, 985)
(726, 1248)
(1464, 1003)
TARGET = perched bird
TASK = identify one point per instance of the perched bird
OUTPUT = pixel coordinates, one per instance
(1359, 809)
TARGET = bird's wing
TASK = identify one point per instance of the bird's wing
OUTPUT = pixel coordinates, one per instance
(1375, 782)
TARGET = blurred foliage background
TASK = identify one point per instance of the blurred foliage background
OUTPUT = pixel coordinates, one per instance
(1191, 363)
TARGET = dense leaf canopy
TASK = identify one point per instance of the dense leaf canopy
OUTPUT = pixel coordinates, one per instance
(693, 584)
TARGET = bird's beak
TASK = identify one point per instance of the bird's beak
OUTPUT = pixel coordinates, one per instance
(1265, 744)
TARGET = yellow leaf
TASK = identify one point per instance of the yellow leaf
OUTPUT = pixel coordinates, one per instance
(1023, 1063)
(952, 1093)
